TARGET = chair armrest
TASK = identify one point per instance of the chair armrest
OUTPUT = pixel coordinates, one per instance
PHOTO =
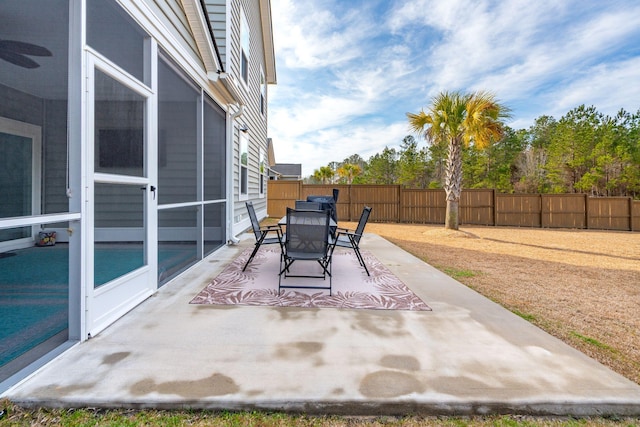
(346, 233)
(342, 229)
(352, 236)
(270, 227)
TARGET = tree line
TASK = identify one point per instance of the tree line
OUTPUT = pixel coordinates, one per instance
(584, 151)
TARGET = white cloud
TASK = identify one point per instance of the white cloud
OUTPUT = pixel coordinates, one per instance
(309, 35)
(319, 148)
(596, 85)
(311, 114)
(348, 72)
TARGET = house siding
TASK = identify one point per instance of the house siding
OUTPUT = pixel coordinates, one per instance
(255, 120)
(172, 16)
(217, 11)
(225, 16)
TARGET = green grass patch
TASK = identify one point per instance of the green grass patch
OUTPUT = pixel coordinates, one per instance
(528, 317)
(18, 416)
(592, 341)
(123, 418)
(458, 273)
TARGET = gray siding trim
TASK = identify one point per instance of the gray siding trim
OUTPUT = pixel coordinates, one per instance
(173, 17)
(224, 17)
(217, 11)
(250, 92)
(201, 31)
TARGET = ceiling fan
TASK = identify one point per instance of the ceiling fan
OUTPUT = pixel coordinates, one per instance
(16, 53)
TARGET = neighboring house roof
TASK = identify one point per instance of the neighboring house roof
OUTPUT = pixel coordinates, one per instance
(288, 169)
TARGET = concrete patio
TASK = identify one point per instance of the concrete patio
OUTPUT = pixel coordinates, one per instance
(467, 356)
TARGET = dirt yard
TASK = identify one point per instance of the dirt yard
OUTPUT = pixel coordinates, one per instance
(582, 286)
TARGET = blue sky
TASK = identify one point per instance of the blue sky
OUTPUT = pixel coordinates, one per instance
(349, 70)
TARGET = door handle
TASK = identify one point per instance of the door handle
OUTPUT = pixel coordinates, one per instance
(152, 188)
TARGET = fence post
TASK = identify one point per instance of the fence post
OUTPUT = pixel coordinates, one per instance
(399, 203)
(495, 208)
(586, 211)
(494, 211)
(350, 203)
(630, 213)
(541, 211)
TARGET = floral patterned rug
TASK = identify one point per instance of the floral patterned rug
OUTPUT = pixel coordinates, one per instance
(351, 287)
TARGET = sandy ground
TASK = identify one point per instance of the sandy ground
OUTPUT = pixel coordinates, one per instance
(583, 286)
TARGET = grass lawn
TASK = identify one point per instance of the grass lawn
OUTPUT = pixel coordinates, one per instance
(15, 416)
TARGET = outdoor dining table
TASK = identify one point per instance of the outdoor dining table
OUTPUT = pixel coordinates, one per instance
(332, 223)
(283, 221)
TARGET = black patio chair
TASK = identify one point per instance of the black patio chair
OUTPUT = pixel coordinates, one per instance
(351, 239)
(306, 239)
(327, 202)
(261, 233)
(309, 206)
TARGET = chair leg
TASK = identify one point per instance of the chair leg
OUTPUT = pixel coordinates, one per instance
(360, 259)
(255, 249)
(354, 245)
(325, 270)
(285, 270)
(330, 279)
(356, 249)
(253, 254)
(282, 271)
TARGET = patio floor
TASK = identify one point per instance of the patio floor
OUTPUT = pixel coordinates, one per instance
(467, 356)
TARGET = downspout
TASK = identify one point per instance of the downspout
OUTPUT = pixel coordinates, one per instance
(232, 240)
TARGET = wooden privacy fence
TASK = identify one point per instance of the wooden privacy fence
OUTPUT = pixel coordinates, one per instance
(392, 203)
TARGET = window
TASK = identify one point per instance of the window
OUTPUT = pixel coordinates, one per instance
(263, 172)
(263, 93)
(244, 47)
(244, 166)
(113, 33)
(20, 182)
(178, 141)
(215, 154)
(191, 172)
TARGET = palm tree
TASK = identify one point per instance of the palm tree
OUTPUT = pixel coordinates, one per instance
(348, 171)
(457, 118)
(324, 174)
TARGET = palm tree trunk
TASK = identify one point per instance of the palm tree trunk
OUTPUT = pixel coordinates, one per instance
(451, 221)
(453, 184)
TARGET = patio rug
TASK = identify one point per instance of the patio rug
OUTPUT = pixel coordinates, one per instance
(351, 287)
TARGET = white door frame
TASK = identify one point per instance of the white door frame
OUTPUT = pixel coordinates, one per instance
(34, 134)
(110, 301)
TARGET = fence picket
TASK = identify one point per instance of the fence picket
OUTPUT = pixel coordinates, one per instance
(392, 203)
